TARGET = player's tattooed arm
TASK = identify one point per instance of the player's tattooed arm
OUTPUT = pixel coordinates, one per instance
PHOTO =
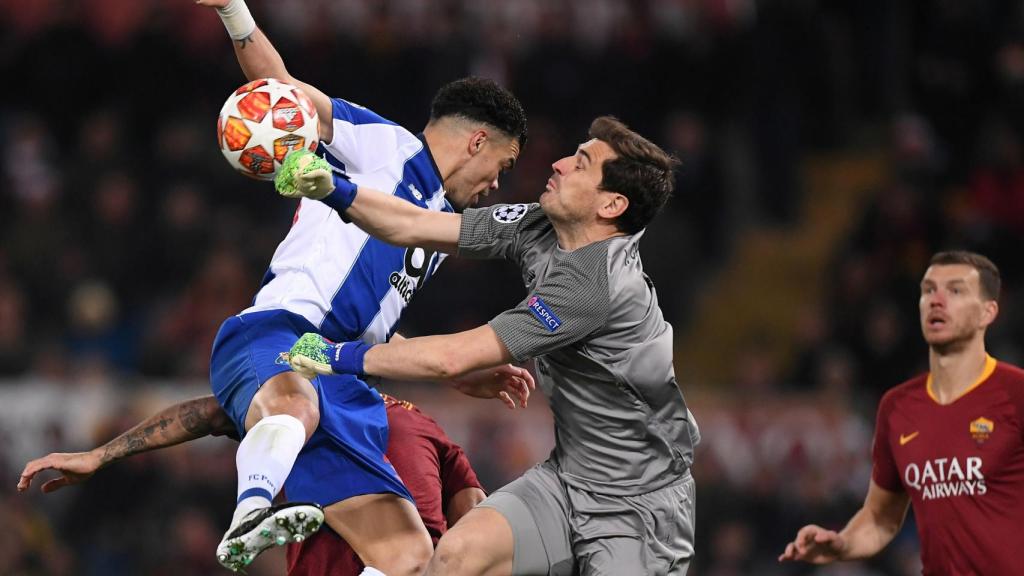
(179, 423)
(259, 59)
(136, 440)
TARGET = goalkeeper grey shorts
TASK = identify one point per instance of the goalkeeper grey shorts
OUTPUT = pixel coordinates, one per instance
(560, 530)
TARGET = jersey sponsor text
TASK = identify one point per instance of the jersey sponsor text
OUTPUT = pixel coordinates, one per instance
(946, 477)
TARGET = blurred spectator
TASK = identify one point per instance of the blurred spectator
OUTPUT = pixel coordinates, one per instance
(183, 336)
(14, 336)
(97, 330)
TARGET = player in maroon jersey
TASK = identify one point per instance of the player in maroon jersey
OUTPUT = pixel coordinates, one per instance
(950, 442)
(434, 469)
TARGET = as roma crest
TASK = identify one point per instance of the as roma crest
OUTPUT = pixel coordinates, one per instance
(981, 429)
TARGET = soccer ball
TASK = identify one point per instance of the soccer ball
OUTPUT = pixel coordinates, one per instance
(261, 122)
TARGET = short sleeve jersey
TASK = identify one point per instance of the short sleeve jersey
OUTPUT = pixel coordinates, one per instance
(962, 464)
(348, 284)
(603, 350)
(433, 468)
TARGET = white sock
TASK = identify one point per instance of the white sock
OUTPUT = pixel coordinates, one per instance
(264, 459)
(371, 572)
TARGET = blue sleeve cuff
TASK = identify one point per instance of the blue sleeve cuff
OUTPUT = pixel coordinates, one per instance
(343, 195)
(347, 357)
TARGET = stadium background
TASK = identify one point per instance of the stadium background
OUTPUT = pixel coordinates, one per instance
(828, 148)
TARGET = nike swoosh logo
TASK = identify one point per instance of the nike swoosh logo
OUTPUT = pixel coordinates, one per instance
(908, 437)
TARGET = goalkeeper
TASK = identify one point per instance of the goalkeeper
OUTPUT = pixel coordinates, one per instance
(616, 495)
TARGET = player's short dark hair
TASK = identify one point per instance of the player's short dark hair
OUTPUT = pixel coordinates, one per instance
(988, 273)
(641, 171)
(481, 99)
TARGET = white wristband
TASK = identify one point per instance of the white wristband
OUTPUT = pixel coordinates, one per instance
(237, 19)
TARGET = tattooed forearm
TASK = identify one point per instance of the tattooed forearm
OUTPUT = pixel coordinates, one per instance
(194, 418)
(174, 425)
(146, 436)
(131, 442)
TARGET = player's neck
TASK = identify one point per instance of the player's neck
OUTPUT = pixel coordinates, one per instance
(954, 371)
(443, 148)
(572, 236)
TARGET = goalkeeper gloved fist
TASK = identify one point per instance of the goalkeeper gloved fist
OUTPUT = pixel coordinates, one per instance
(304, 174)
(313, 354)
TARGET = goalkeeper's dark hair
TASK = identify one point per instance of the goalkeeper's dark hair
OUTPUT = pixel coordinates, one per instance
(640, 171)
(482, 100)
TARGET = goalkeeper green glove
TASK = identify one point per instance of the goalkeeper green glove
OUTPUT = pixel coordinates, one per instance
(312, 354)
(307, 175)
(304, 174)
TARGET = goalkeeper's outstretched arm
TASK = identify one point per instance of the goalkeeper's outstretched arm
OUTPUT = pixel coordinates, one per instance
(381, 215)
(259, 59)
(401, 223)
(179, 423)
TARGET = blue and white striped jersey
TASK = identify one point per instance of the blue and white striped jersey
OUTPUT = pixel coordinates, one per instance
(349, 284)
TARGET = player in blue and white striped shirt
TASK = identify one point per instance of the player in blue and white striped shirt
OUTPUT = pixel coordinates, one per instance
(324, 441)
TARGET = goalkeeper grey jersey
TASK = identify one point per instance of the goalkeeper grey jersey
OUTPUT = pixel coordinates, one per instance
(603, 350)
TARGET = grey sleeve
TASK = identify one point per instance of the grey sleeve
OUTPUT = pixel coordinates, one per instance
(494, 232)
(569, 305)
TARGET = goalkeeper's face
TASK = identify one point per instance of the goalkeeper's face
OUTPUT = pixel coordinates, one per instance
(573, 193)
(478, 175)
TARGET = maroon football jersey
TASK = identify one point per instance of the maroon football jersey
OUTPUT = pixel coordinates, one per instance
(432, 467)
(963, 466)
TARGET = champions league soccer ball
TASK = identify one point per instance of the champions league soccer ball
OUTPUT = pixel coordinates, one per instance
(261, 122)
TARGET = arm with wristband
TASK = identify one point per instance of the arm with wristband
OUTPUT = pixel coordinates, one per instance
(259, 59)
(474, 362)
(381, 215)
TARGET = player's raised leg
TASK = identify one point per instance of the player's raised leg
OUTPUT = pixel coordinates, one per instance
(275, 411)
(344, 468)
(281, 417)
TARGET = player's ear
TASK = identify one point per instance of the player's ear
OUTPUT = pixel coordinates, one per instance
(476, 141)
(989, 311)
(613, 205)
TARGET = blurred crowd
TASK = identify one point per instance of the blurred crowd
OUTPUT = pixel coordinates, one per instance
(126, 239)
